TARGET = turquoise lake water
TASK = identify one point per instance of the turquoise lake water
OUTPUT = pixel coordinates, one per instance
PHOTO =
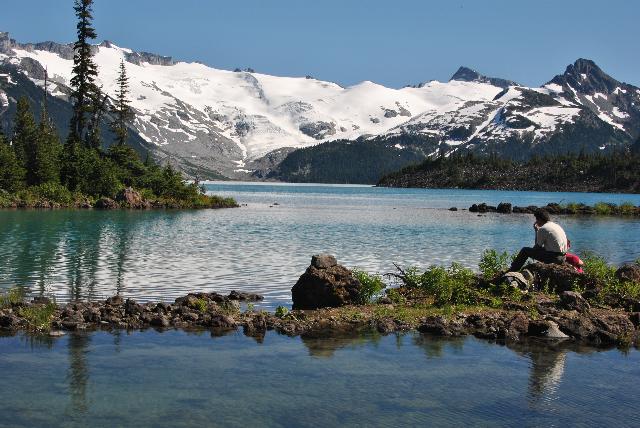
(183, 379)
(177, 378)
(262, 247)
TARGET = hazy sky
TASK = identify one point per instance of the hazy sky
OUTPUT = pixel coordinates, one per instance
(393, 43)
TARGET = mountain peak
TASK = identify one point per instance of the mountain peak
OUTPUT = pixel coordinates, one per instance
(466, 74)
(586, 77)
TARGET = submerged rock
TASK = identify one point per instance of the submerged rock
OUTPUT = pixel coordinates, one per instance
(325, 284)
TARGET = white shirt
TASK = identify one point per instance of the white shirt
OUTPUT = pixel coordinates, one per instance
(551, 237)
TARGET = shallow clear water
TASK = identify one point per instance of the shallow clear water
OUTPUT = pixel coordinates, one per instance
(262, 247)
(180, 379)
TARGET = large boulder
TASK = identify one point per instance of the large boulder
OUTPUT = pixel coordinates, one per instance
(556, 277)
(629, 273)
(325, 284)
(132, 199)
(106, 204)
(574, 301)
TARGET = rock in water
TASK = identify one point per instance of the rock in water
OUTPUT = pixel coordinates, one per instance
(325, 284)
(504, 208)
(323, 261)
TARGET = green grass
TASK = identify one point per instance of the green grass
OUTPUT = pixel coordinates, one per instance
(603, 275)
(602, 208)
(200, 305)
(572, 207)
(627, 208)
(12, 296)
(38, 317)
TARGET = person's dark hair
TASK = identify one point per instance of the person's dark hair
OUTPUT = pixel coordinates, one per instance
(541, 215)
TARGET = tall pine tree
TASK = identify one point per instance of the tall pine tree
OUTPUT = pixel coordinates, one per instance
(121, 109)
(11, 173)
(85, 73)
(25, 138)
(47, 160)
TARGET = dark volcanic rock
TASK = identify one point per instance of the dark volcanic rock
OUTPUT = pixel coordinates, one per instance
(629, 273)
(323, 261)
(504, 208)
(115, 301)
(242, 296)
(160, 321)
(106, 204)
(558, 278)
(574, 301)
(321, 287)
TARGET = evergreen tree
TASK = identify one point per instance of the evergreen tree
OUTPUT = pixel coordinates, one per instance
(47, 159)
(25, 137)
(121, 109)
(98, 107)
(11, 173)
(84, 72)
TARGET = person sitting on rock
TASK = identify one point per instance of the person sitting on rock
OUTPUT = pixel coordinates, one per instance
(551, 243)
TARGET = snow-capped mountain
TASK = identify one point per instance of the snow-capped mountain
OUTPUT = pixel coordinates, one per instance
(231, 121)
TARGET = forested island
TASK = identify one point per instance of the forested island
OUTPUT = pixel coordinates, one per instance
(37, 170)
(582, 172)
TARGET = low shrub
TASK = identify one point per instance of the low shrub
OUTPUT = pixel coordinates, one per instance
(53, 192)
(371, 285)
(493, 262)
(281, 311)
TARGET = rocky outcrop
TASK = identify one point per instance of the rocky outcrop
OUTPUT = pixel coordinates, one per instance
(574, 301)
(318, 130)
(325, 284)
(105, 203)
(5, 44)
(556, 278)
(132, 199)
(557, 209)
(629, 272)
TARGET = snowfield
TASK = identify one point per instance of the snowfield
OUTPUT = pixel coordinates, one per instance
(225, 120)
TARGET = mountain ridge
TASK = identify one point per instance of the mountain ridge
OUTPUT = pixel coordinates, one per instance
(235, 123)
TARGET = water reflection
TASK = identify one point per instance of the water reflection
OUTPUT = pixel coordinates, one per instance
(78, 373)
(160, 255)
(326, 345)
(547, 365)
(435, 348)
(191, 378)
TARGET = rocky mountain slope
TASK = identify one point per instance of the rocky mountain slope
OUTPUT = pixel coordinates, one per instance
(233, 123)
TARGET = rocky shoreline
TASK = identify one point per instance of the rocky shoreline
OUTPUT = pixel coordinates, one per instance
(565, 319)
(324, 301)
(127, 198)
(557, 209)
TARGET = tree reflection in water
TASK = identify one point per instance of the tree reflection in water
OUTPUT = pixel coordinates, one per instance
(325, 346)
(78, 374)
